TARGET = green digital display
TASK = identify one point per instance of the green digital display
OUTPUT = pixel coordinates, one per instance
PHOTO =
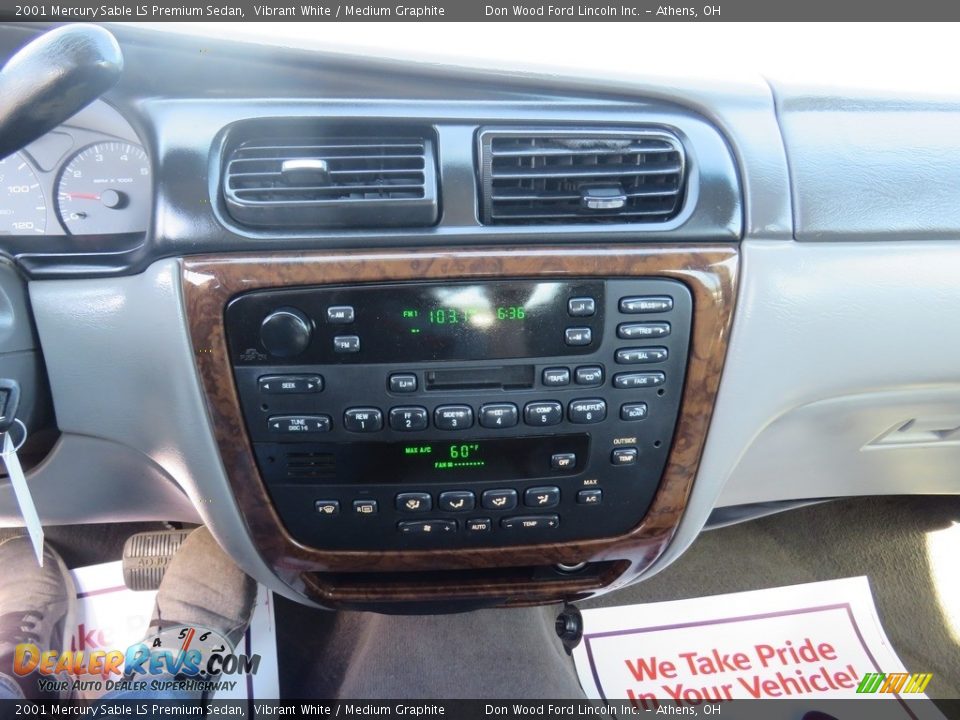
(466, 316)
(448, 456)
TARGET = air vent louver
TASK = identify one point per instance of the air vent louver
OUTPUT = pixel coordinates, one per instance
(533, 177)
(332, 181)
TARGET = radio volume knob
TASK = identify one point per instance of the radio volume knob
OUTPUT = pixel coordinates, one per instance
(286, 332)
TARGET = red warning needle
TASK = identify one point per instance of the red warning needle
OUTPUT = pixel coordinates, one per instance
(82, 196)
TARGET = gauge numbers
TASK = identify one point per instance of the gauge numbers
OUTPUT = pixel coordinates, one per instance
(105, 189)
(23, 210)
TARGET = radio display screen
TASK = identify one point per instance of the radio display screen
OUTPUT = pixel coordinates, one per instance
(431, 321)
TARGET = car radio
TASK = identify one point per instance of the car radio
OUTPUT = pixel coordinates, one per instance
(461, 414)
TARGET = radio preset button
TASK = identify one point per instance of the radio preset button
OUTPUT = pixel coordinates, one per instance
(543, 413)
(499, 499)
(340, 314)
(638, 356)
(403, 383)
(365, 507)
(327, 507)
(632, 331)
(633, 411)
(456, 501)
(637, 380)
(624, 456)
(478, 525)
(578, 336)
(414, 502)
(289, 384)
(499, 415)
(585, 412)
(556, 377)
(589, 375)
(346, 344)
(453, 417)
(293, 424)
(581, 307)
(530, 522)
(541, 497)
(646, 304)
(408, 419)
(363, 420)
(589, 497)
(427, 527)
(563, 461)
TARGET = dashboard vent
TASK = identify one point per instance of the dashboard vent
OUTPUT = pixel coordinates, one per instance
(534, 177)
(332, 181)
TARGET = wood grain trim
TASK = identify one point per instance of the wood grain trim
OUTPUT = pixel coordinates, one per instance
(209, 282)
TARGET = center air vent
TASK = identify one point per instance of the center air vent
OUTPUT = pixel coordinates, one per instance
(332, 180)
(533, 177)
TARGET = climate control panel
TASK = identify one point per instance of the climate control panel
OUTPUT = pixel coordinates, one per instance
(461, 414)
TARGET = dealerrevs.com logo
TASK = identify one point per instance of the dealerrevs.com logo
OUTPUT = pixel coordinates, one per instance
(181, 657)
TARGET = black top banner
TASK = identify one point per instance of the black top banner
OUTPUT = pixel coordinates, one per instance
(638, 11)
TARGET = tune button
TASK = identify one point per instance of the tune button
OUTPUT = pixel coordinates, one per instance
(541, 497)
(581, 307)
(414, 502)
(499, 415)
(584, 412)
(453, 417)
(624, 456)
(408, 419)
(530, 522)
(340, 314)
(633, 411)
(556, 377)
(292, 424)
(543, 413)
(632, 331)
(638, 356)
(646, 304)
(589, 375)
(363, 420)
(625, 381)
(578, 336)
(403, 383)
(499, 499)
(346, 344)
(456, 501)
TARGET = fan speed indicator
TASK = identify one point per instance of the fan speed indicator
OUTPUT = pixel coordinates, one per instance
(105, 190)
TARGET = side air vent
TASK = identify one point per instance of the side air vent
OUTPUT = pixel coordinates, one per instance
(332, 181)
(534, 177)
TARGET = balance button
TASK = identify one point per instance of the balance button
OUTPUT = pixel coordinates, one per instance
(589, 375)
(453, 417)
(414, 502)
(556, 377)
(403, 383)
(633, 411)
(365, 507)
(340, 314)
(427, 527)
(541, 497)
(499, 415)
(456, 500)
(288, 384)
(646, 304)
(499, 499)
(530, 522)
(578, 336)
(581, 307)
(346, 344)
(293, 424)
(632, 331)
(408, 419)
(585, 412)
(637, 356)
(624, 456)
(478, 525)
(328, 507)
(543, 413)
(625, 381)
(563, 461)
(589, 497)
(363, 420)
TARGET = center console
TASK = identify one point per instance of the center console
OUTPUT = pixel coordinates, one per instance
(461, 414)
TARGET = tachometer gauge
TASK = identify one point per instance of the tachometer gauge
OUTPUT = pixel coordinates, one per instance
(105, 189)
(23, 211)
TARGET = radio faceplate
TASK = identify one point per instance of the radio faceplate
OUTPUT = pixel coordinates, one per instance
(489, 413)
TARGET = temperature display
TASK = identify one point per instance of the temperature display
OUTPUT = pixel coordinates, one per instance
(451, 456)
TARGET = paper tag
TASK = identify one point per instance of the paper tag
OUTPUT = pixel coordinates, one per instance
(24, 498)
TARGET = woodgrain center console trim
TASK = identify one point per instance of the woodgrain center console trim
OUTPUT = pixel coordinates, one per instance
(209, 282)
